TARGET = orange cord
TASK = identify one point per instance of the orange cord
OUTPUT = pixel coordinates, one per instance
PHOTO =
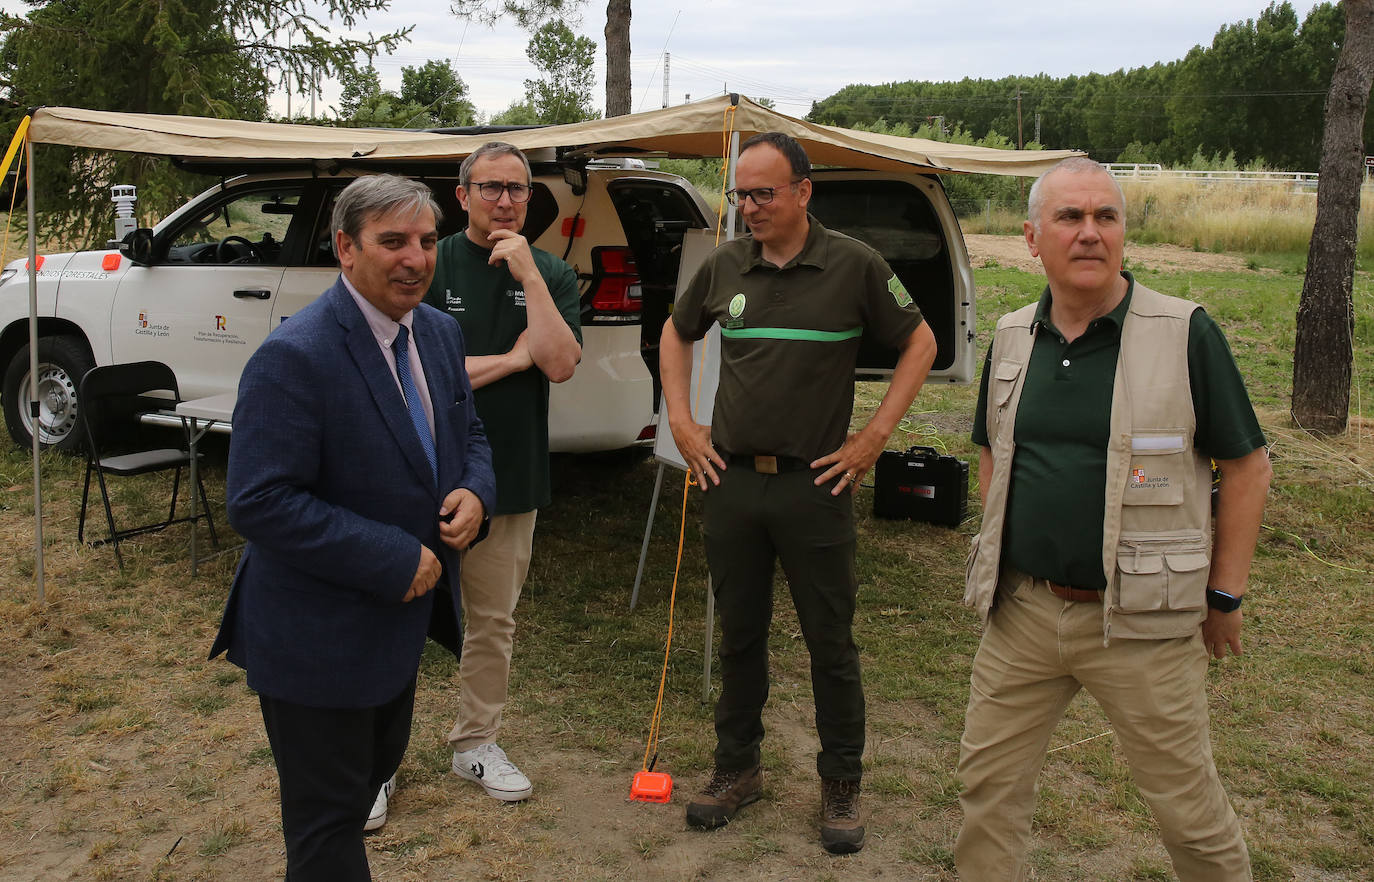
(651, 746)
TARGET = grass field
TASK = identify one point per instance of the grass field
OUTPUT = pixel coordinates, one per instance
(128, 756)
(1257, 218)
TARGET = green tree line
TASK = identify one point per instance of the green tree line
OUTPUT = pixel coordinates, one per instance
(1255, 94)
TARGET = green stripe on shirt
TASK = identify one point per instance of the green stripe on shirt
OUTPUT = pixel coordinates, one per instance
(790, 334)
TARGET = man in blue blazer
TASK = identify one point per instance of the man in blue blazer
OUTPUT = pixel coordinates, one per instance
(358, 473)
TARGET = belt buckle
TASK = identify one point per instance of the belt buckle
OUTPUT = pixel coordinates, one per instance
(766, 465)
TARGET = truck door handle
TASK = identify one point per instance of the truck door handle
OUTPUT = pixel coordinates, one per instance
(253, 293)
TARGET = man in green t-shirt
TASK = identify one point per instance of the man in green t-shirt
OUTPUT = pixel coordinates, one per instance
(518, 307)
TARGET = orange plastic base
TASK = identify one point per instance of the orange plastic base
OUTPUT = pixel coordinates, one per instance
(651, 787)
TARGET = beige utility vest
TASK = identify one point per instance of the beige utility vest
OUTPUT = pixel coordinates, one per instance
(1157, 532)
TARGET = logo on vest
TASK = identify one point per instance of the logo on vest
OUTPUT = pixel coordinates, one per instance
(1142, 481)
(736, 309)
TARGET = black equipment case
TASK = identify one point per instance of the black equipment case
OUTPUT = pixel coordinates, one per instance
(920, 484)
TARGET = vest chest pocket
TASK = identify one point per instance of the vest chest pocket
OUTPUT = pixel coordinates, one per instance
(1162, 572)
(1160, 462)
(1004, 378)
(1004, 381)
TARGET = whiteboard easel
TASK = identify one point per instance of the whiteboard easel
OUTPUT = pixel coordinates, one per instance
(705, 376)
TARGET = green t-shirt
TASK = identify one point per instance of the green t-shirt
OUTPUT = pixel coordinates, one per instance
(490, 307)
(790, 338)
(1057, 496)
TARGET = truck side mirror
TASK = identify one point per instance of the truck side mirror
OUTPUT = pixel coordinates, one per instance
(138, 246)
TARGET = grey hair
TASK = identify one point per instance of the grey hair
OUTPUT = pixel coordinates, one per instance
(376, 195)
(1074, 165)
(491, 149)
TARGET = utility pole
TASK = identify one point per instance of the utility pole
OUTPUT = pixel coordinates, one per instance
(1037, 127)
(666, 57)
(1020, 182)
(1020, 141)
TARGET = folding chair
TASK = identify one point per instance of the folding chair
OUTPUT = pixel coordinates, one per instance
(112, 398)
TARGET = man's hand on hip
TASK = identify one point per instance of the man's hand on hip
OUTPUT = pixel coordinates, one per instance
(1220, 630)
(694, 443)
(848, 465)
(459, 531)
(426, 575)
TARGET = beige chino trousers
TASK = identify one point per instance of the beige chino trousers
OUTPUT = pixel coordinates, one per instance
(493, 573)
(1036, 653)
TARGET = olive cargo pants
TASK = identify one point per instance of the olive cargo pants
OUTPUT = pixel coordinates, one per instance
(752, 520)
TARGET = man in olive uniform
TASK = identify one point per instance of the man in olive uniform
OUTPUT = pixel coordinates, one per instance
(793, 301)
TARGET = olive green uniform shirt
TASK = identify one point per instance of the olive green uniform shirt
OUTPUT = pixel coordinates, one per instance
(790, 338)
(1057, 497)
(490, 306)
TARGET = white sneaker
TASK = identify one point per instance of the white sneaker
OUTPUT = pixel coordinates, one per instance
(487, 765)
(377, 817)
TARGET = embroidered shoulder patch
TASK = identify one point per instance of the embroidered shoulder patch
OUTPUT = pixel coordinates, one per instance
(898, 290)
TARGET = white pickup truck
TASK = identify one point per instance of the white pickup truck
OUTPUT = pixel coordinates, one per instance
(205, 286)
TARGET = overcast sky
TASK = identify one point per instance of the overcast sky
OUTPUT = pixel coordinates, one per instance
(799, 51)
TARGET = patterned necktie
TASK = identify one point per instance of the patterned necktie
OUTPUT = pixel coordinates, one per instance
(417, 410)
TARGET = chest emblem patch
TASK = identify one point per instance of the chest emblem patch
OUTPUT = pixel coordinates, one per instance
(736, 306)
(1142, 481)
(898, 291)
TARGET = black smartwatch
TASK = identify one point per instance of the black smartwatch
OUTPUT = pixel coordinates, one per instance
(1223, 602)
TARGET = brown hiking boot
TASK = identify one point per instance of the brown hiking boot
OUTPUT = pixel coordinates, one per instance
(842, 827)
(724, 795)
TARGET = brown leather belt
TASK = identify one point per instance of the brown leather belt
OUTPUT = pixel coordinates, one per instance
(768, 465)
(1077, 595)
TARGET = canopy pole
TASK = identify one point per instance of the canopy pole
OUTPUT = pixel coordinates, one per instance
(33, 380)
(730, 215)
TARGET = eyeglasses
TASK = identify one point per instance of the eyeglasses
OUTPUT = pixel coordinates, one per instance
(492, 190)
(760, 195)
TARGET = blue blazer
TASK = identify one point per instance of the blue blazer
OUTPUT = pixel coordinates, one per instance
(331, 488)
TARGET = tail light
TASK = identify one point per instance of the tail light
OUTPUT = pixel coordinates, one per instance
(616, 293)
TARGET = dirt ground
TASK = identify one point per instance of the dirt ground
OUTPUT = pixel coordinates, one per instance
(1011, 251)
(162, 772)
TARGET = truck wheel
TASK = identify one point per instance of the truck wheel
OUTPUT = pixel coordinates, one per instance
(62, 362)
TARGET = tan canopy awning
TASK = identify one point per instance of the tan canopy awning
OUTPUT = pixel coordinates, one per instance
(697, 130)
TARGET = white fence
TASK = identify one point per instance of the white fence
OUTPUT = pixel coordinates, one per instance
(1150, 171)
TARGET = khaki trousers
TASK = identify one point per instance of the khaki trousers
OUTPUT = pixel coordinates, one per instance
(493, 573)
(1037, 652)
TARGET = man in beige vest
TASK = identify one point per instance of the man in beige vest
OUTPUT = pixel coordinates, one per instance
(1101, 563)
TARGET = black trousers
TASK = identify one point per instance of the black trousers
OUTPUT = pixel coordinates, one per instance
(331, 762)
(752, 520)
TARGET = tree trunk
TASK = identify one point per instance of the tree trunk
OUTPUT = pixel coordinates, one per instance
(1323, 353)
(618, 57)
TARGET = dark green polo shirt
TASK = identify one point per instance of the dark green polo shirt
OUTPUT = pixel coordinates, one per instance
(790, 338)
(1056, 502)
(490, 307)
